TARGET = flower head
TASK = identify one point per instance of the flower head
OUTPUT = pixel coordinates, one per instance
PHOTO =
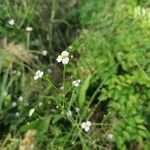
(14, 104)
(40, 104)
(86, 126)
(20, 98)
(11, 22)
(76, 82)
(31, 112)
(110, 136)
(77, 109)
(63, 57)
(29, 29)
(44, 52)
(17, 114)
(69, 113)
(38, 74)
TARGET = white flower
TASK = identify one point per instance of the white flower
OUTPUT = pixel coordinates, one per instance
(18, 73)
(63, 57)
(14, 104)
(29, 29)
(17, 114)
(11, 22)
(44, 52)
(38, 74)
(86, 125)
(76, 82)
(20, 98)
(62, 88)
(40, 103)
(110, 137)
(77, 109)
(69, 113)
(31, 112)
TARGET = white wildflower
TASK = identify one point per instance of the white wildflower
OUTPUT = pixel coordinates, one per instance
(14, 104)
(70, 47)
(29, 29)
(40, 103)
(31, 112)
(69, 113)
(76, 82)
(18, 73)
(63, 57)
(38, 74)
(17, 114)
(77, 109)
(11, 22)
(62, 88)
(110, 137)
(44, 52)
(86, 125)
(20, 99)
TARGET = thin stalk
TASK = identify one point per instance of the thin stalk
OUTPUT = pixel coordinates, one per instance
(28, 40)
(63, 86)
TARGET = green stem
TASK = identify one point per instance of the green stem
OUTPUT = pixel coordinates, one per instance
(28, 40)
(64, 86)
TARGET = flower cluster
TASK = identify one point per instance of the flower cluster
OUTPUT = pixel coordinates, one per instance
(76, 82)
(44, 52)
(11, 22)
(86, 126)
(38, 74)
(29, 29)
(31, 112)
(63, 57)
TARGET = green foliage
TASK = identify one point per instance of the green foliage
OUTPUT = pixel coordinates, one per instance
(109, 42)
(83, 90)
(116, 39)
(40, 125)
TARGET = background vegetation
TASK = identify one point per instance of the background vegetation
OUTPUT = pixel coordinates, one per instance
(109, 45)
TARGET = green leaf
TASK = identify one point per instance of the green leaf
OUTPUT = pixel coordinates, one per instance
(83, 90)
(138, 119)
(40, 125)
(126, 135)
(142, 133)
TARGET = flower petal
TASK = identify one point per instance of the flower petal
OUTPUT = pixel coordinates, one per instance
(31, 112)
(59, 58)
(87, 128)
(88, 123)
(41, 74)
(11, 22)
(65, 54)
(65, 60)
(36, 77)
(37, 72)
(83, 124)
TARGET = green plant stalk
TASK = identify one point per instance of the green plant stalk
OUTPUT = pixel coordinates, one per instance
(28, 40)
(63, 86)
